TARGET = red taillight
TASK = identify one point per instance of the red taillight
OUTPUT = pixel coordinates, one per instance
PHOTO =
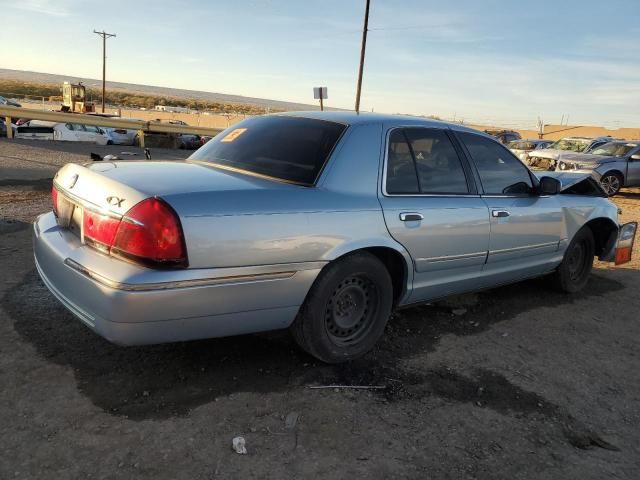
(99, 229)
(54, 199)
(150, 232)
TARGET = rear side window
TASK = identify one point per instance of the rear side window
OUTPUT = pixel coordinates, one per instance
(500, 172)
(288, 148)
(402, 175)
(423, 160)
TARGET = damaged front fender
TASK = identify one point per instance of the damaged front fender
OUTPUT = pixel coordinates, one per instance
(576, 183)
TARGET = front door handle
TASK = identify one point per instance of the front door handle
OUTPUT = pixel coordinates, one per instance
(499, 213)
(411, 217)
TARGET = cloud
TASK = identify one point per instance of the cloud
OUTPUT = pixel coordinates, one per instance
(59, 8)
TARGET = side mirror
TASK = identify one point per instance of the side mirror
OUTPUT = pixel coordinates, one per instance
(549, 186)
(635, 157)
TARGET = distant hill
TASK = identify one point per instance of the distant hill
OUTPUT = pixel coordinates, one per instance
(53, 79)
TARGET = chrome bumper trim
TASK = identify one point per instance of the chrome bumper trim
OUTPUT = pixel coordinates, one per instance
(199, 282)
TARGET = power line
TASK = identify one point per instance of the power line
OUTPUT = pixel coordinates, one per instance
(104, 36)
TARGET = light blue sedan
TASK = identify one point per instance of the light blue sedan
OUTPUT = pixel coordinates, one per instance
(320, 222)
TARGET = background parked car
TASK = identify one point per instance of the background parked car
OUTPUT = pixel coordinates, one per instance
(547, 158)
(120, 136)
(66, 132)
(3, 128)
(521, 148)
(9, 102)
(615, 164)
(190, 142)
(504, 136)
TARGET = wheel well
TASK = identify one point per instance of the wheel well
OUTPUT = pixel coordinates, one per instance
(396, 266)
(602, 229)
(615, 171)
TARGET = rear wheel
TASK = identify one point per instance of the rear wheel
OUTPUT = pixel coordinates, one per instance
(573, 273)
(611, 183)
(346, 310)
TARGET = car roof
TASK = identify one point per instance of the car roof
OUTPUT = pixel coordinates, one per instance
(624, 142)
(362, 118)
(602, 137)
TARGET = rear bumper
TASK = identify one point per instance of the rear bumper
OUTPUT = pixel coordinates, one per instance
(132, 305)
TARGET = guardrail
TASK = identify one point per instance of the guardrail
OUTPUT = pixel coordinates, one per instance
(143, 126)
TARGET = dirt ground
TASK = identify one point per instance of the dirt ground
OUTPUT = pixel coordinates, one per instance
(520, 382)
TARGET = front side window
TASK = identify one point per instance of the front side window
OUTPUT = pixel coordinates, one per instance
(292, 149)
(500, 172)
(423, 160)
(614, 149)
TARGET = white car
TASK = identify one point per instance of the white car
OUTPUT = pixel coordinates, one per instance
(522, 148)
(66, 132)
(120, 136)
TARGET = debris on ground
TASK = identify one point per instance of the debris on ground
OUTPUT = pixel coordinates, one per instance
(239, 445)
(356, 387)
(291, 420)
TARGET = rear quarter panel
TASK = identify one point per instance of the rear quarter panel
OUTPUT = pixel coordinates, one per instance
(293, 224)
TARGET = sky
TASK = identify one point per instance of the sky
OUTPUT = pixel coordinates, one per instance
(492, 61)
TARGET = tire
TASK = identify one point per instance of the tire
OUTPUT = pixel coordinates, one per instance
(611, 183)
(346, 310)
(573, 273)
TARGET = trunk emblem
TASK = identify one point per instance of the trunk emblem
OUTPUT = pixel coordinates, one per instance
(72, 180)
(115, 201)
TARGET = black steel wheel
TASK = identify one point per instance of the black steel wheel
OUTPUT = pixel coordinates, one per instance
(346, 310)
(351, 310)
(573, 273)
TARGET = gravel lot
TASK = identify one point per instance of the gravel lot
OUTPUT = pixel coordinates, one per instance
(522, 383)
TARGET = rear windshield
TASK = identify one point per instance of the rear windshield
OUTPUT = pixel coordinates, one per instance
(288, 148)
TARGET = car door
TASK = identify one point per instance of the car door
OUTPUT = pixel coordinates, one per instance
(431, 207)
(527, 229)
(75, 132)
(91, 133)
(632, 178)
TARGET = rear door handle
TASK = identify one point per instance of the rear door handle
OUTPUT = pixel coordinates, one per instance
(411, 217)
(499, 213)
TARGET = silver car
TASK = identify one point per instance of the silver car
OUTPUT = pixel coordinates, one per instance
(615, 164)
(549, 157)
(320, 222)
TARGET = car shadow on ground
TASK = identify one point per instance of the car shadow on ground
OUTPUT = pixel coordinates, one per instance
(161, 381)
(629, 195)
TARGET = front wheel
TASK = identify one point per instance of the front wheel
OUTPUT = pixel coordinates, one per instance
(346, 310)
(611, 183)
(573, 273)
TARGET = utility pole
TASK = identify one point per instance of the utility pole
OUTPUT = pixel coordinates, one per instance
(362, 50)
(104, 36)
